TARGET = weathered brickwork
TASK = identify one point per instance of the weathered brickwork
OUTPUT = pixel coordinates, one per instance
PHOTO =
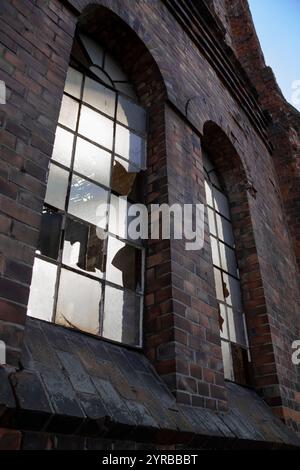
(190, 105)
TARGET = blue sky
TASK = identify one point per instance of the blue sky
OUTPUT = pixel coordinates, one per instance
(277, 23)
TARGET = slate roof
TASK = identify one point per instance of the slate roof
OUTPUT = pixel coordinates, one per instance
(76, 384)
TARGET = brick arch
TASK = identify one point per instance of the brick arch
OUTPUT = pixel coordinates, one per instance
(240, 193)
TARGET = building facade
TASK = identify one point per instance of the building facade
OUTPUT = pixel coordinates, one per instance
(113, 342)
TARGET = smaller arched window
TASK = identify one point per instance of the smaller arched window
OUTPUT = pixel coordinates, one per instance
(235, 349)
(88, 274)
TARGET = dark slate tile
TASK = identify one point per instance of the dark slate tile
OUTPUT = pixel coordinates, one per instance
(78, 377)
(113, 402)
(56, 336)
(199, 424)
(40, 349)
(158, 389)
(6, 394)
(61, 393)
(93, 406)
(141, 414)
(30, 391)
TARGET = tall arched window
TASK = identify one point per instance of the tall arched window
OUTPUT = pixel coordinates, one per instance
(235, 349)
(87, 274)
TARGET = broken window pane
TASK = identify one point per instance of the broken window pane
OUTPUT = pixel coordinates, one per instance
(57, 186)
(131, 115)
(92, 161)
(49, 239)
(88, 201)
(122, 316)
(233, 287)
(124, 264)
(127, 179)
(78, 304)
(228, 259)
(73, 82)
(68, 112)
(99, 96)
(63, 146)
(83, 249)
(223, 322)
(96, 127)
(130, 146)
(42, 290)
(218, 284)
(236, 326)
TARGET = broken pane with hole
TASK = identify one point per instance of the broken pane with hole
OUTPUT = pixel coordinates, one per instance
(84, 247)
(50, 232)
(79, 302)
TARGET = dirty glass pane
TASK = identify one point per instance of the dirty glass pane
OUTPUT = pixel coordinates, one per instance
(57, 187)
(228, 259)
(83, 249)
(50, 231)
(227, 360)
(124, 265)
(78, 304)
(88, 201)
(63, 146)
(99, 96)
(131, 115)
(233, 288)
(221, 203)
(218, 284)
(92, 161)
(42, 290)
(127, 179)
(130, 146)
(100, 74)
(215, 252)
(113, 69)
(122, 316)
(73, 82)
(225, 232)
(94, 50)
(208, 194)
(223, 321)
(68, 112)
(96, 127)
(211, 222)
(236, 326)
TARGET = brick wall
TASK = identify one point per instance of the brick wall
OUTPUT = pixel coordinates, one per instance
(185, 95)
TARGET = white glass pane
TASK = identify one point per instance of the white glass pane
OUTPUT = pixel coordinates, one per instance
(92, 161)
(218, 284)
(223, 322)
(211, 221)
(131, 115)
(57, 186)
(208, 194)
(73, 82)
(233, 288)
(236, 327)
(221, 203)
(42, 290)
(227, 360)
(68, 112)
(225, 232)
(118, 220)
(130, 146)
(112, 69)
(83, 249)
(94, 50)
(124, 265)
(63, 146)
(228, 259)
(96, 127)
(122, 315)
(99, 97)
(215, 253)
(78, 304)
(88, 201)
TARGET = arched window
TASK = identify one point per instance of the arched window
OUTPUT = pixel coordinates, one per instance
(87, 274)
(235, 349)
